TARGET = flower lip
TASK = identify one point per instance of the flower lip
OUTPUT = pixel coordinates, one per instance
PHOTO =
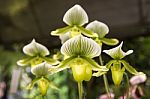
(76, 16)
(117, 52)
(35, 48)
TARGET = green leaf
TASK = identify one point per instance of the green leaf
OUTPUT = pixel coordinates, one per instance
(30, 86)
(25, 61)
(110, 41)
(98, 27)
(128, 67)
(61, 31)
(34, 49)
(75, 16)
(81, 46)
(87, 32)
(63, 65)
(95, 66)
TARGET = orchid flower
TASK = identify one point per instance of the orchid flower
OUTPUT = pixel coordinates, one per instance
(41, 71)
(79, 52)
(101, 30)
(118, 65)
(35, 53)
(75, 18)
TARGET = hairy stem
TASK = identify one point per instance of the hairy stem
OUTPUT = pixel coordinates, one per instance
(105, 79)
(80, 90)
(127, 81)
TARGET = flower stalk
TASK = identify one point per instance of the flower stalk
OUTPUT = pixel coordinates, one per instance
(105, 79)
(80, 90)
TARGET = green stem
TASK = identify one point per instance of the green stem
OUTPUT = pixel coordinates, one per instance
(105, 79)
(127, 80)
(80, 90)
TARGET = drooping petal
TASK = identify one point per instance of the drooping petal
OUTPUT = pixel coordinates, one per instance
(63, 65)
(98, 27)
(61, 31)
(81, 46)
(31, 85)
(110, 41)
(128, 67)
(99, 73)
(87, 32)
(50, 60)
(75, 16)
(41, 69)
(51, 84)
(25, 61)
(95, 66)
(35, 48)
(117, 53)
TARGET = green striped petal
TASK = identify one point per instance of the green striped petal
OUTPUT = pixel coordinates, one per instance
(35, 48)
(75, 16)
(117, 53)
(98, 27)
(81, 46)
(41, 69)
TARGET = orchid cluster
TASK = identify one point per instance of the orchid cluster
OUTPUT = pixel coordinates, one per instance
(79, 46)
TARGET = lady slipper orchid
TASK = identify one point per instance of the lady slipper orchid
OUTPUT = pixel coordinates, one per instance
(75, 18)
(41, 71)
(79, 52)
(35, 53)
(118, 65)
(101, 30)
